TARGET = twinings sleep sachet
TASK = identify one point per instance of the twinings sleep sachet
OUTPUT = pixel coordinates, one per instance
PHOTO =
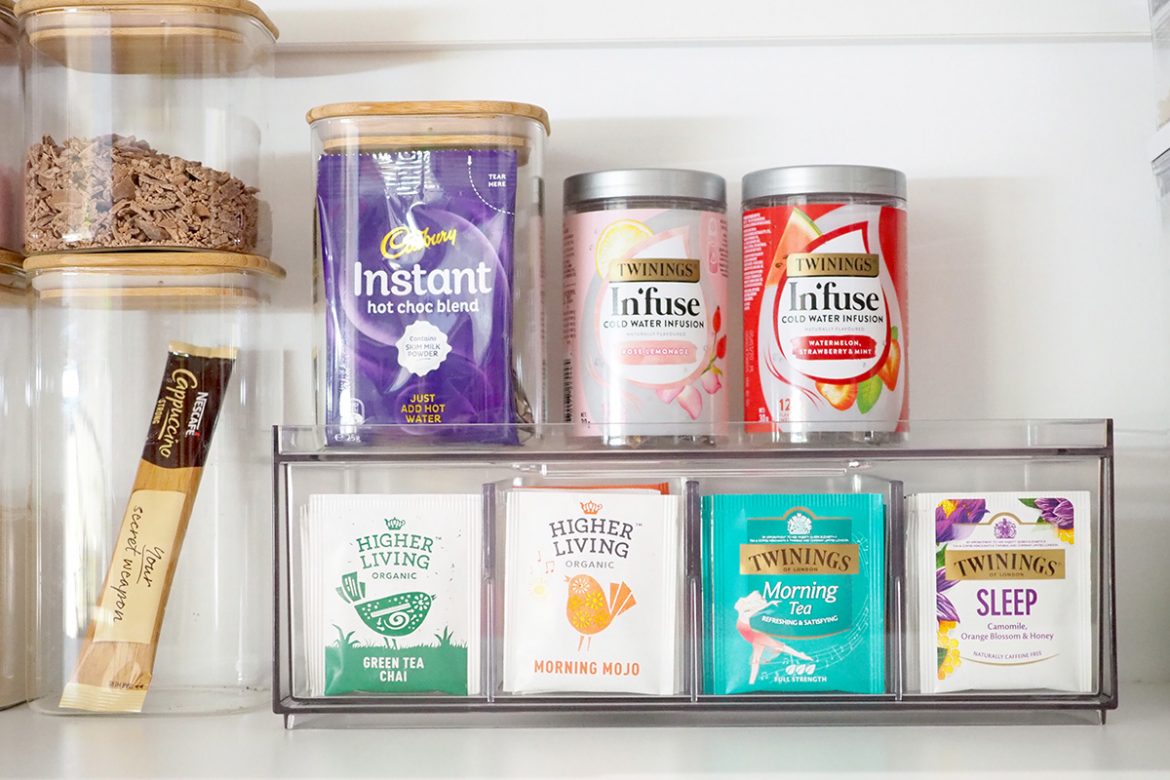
(1000, 584)
(392, 593)
(794, 593)
(592, 592)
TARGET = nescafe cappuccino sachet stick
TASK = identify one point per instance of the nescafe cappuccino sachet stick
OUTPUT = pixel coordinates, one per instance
(116, 663)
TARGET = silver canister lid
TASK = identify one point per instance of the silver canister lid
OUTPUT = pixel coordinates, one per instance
(645, 183)
(824, 180)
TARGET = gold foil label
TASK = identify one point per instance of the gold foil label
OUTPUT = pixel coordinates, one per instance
(798, 559)
(834, 264)
(989, 564)
(655, 270)
(144, 554)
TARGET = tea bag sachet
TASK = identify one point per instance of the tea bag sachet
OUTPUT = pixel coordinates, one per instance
(1000, 584)
(592, 591)
(794, 593)
(392, 593)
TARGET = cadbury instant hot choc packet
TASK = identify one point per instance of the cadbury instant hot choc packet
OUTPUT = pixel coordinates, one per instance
(417, 264)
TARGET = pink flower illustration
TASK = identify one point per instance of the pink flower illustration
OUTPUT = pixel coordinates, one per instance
(711, 383)
(690, 400)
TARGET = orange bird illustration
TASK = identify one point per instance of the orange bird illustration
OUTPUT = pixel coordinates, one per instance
(588, 609)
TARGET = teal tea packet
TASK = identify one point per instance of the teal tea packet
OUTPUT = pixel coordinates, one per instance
(392, 597)
(794, 593)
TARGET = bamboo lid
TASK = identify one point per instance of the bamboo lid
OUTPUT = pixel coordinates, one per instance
(169, 262)
(393, 142)
(204, 38)
(192, 297)
(243, 7)
(10, 261)
(13, 283)
(462, 108)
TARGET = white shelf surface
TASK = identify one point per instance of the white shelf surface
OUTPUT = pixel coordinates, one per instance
(255, 745)
(440, 24)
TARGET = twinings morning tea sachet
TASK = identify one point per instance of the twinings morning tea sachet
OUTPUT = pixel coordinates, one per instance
(392, 593)
(416, 254)
(1001, 583)
(592, 592)
(794, 593)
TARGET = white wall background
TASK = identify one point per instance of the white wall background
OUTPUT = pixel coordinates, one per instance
(1037, 283)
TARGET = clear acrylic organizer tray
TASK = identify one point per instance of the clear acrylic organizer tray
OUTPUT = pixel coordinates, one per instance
(972, 457)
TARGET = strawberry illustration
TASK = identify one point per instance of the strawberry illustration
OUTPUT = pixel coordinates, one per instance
(889, 369)
(840, 396)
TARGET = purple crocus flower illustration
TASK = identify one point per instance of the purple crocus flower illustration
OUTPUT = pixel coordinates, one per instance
(1057, 511)
(946, 610)
(955, 519)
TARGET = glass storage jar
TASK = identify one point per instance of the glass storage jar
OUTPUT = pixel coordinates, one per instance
(645, 320)
(144, 124)
(16, 476)
(429, 270)
(108, 327)
(11, 143)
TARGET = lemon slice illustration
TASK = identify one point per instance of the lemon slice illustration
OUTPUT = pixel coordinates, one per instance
(616, 242)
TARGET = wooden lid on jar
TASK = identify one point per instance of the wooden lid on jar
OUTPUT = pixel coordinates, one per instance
(13, 283)
(165, 37)
(8, 28)
(171, 263)
(448, 108)
(244, 7)
(10, 261)
(169, 281)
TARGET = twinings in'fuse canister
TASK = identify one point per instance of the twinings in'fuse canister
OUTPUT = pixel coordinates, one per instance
(646, 305)
(824, 264)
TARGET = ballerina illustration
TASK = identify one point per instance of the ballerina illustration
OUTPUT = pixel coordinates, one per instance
(765, 647)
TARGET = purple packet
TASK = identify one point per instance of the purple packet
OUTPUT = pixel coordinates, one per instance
(417, 265)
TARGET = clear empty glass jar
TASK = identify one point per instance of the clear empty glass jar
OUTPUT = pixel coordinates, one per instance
(144, 124)
(16, 476)
(106, 324)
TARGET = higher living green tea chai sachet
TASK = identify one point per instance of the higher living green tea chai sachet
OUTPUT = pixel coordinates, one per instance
(794, 593)
(392, 599)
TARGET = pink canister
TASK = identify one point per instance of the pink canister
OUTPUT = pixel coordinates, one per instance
(645, 308)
